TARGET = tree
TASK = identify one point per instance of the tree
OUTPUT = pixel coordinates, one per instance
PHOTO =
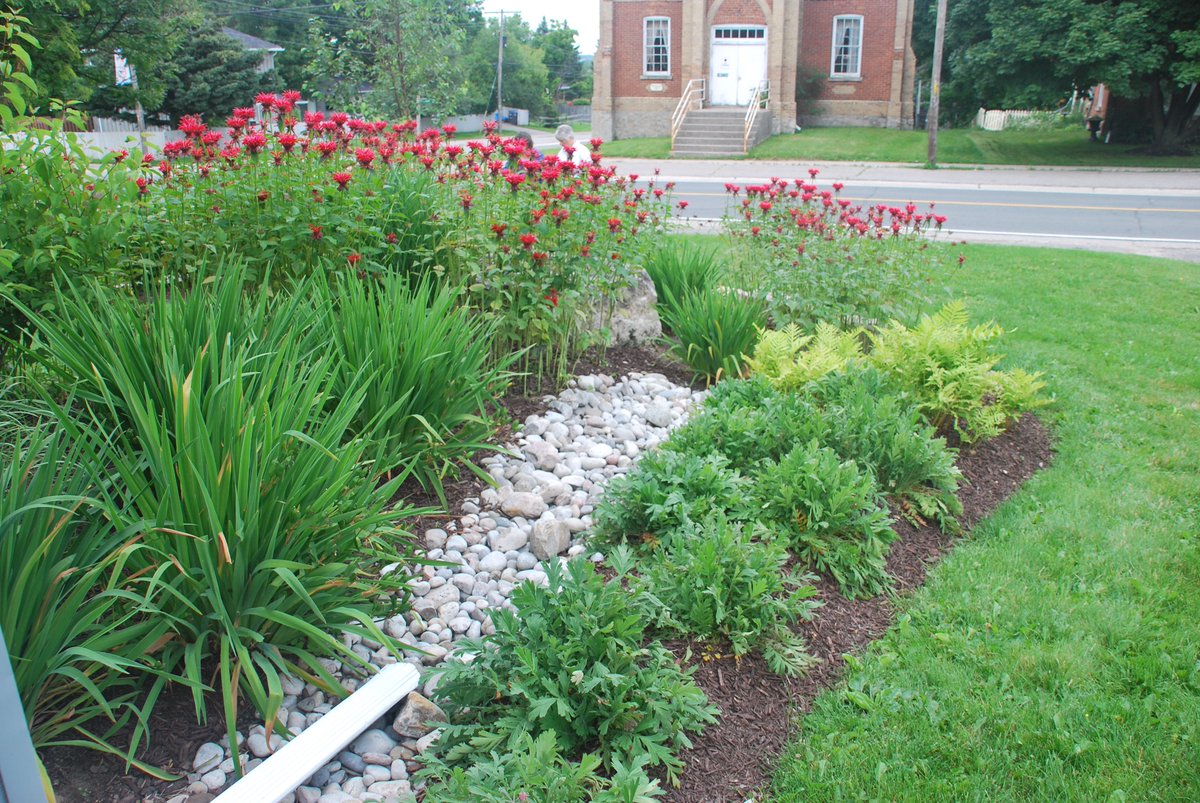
(1013, 53)
(288, 23)
(525, 74)
(213, 74)
(79, 37)
(399, 58)
(557, 43)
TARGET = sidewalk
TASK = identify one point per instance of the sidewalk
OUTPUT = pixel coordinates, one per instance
(1105, 181)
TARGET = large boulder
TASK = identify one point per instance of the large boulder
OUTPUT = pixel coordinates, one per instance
(634, 317)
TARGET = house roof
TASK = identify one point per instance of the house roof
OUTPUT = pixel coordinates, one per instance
(251, 42)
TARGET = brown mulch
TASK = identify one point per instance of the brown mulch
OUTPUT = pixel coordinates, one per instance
(733, 759)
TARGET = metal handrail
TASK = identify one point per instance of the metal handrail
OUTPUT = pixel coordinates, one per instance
(693, 92)
(762, 93)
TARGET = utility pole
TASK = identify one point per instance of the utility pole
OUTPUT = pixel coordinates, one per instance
(935, 89)
(500, 73)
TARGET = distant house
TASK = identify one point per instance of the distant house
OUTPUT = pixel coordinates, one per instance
(256, 45)
(860, 52)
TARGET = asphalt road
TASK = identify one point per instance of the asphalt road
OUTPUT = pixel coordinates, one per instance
(1152, 212)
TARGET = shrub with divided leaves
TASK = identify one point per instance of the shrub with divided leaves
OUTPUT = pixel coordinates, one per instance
(574, 661)
(668, 489)
(536, 770)
(831, 513)
(719, 581)
(869, 422)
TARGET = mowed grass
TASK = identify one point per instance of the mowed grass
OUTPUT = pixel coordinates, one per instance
(1067, 147)
(1053, 655)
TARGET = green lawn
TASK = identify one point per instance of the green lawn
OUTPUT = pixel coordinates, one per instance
(955, 146)
(1052, 656)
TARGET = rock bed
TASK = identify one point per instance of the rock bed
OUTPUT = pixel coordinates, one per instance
(540, 509)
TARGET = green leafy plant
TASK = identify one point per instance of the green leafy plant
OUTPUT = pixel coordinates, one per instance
(717, 581)
(535, 769)
(713, 328)
(869, 422)
(666, 490)
(812, 257)
(82, 630)
(749, 430)
(830, 512)
(790, 359)
(427, 367)
(950, 369)
(573, 661)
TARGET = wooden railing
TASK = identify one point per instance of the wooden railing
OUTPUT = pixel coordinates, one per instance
(693, 94)
(759, 99)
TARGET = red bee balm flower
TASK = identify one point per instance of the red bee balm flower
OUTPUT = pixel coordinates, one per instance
(498, 229)
(143, 185)
(342, 179)
(254, 142)
(528, 240)
(683, 204)
(365, 156)
(316, 231)
(614, 223)
(288, 141)
(353, 259)
(552, 296)
(265, 99)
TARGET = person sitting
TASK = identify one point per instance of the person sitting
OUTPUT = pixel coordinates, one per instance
(530, 151)
(572, 151)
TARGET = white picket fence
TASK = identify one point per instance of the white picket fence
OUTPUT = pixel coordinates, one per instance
(997, 119)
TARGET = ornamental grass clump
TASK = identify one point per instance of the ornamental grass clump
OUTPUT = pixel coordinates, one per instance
(228, 435)
(82, 628)
(573, 659)
(712, 329)
(427, 367)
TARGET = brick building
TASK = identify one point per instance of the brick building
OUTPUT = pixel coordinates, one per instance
(859, 53)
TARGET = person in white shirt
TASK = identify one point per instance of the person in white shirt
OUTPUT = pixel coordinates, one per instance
(572, 151)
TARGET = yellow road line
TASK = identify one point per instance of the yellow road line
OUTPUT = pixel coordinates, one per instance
(981, 203)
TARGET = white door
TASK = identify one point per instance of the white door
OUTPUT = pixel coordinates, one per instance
(739, 63)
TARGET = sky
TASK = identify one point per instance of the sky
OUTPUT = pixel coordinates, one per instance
(582, 15)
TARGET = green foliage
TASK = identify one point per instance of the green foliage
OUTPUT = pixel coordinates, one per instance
(949, 368)
(716, 581)
(667, 490)
(1022, 53)
(678, 270)
(831, 513)
(78, 38)
(213, 74)
(713, 329)
(575, 662)
(869, 423)
(234, 445)
(535, 769)
(526, 81)
(748, 432)
(790, 359)
(408, 51)
(426, 364)
(81, 630)
(811, 257)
